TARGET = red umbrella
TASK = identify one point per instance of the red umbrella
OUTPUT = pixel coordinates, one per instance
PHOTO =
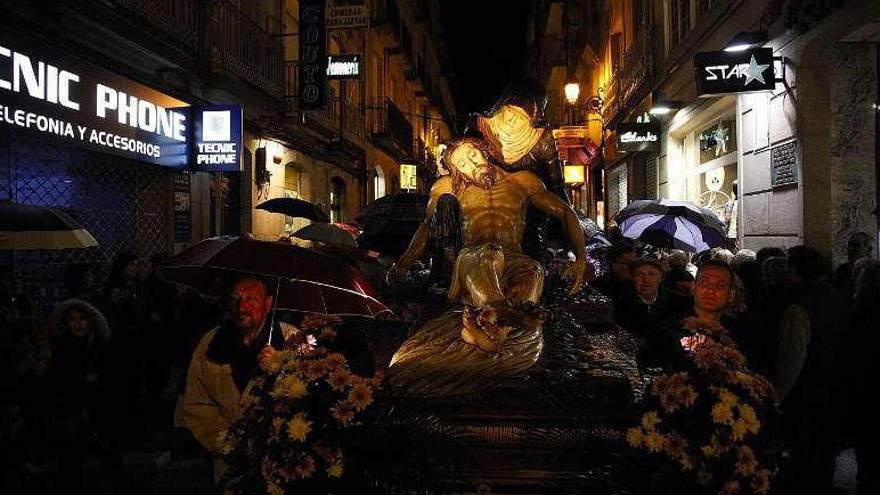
(304, 280)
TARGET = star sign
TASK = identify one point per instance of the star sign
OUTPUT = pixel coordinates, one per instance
(754, 72)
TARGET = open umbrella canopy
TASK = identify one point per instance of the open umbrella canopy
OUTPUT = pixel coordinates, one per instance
(294, 207)
(28, 227)
(330, 233)
(389, 222)
(671, 224)
(305, 280)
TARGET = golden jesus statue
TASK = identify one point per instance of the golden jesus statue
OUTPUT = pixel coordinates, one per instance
(492, 277)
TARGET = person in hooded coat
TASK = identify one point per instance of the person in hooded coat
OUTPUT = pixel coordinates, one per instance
(66, 402)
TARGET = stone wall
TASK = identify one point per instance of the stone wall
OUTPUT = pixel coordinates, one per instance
(853, 93)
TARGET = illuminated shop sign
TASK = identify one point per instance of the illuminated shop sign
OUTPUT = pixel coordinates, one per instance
(343, 66)
(347, 16)
(637, 136)
(217, 133)
(47, 92)
(408, 175)
(720, 73)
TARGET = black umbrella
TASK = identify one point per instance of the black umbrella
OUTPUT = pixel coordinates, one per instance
(294, 207)
(304, 280)
(389, 223)
(26, 227)
(330, 233)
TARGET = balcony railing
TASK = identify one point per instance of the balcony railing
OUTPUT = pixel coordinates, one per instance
(246, 49)
(637, 68)
(610, 93)
(389, 128)
(179, 19)
(230, 40)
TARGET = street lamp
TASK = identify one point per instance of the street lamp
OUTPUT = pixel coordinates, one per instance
(746, 40)
(572, 91)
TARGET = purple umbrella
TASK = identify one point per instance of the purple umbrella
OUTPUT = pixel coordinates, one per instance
(671, 224)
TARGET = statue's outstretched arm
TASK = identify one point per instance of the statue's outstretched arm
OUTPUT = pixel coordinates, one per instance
(551, 204)
(419, 242)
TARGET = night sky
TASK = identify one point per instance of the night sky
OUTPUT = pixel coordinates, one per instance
(487, 44)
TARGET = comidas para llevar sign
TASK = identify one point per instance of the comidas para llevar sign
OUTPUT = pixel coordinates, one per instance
(720, 73)
(50, 92)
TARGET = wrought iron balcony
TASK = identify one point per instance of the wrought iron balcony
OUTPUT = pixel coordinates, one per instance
(637, 69)
(246, 49)
(178, 19)
(389, 128)
(217, 33)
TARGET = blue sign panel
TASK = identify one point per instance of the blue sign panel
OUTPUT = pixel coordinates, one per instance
(217, 135)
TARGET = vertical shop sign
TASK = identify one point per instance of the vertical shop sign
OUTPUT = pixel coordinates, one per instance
(182, 210)
(312, 55)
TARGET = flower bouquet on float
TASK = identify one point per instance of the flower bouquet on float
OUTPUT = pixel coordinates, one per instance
(299, 413)
(712, 423)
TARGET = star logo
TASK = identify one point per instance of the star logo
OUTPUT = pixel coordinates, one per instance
(754, 72)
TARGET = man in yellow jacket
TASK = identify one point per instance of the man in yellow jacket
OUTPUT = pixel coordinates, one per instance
(223, 364)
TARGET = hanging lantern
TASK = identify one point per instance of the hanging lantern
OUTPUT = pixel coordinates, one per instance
(574, 174)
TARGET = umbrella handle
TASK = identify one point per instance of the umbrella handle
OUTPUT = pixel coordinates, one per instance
(272, 318)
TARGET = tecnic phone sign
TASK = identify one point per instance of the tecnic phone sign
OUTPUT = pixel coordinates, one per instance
(217, 138)
(51, 93)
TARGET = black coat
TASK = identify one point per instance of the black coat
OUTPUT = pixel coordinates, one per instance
(662, 346)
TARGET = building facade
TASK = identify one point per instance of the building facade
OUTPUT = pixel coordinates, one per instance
(200, 52)
(793, 165)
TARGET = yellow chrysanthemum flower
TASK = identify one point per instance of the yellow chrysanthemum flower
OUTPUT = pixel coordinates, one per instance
(335, 470)
(739, 430)
(709, 451)
(727, 397)
(748, 415)
(746, 463)
(298, 428)
(273, 489)
(634, 437)
(274, 362)
(722, 413)
(654, 441)
(650, 420)
(360, 396)
(289, 386)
